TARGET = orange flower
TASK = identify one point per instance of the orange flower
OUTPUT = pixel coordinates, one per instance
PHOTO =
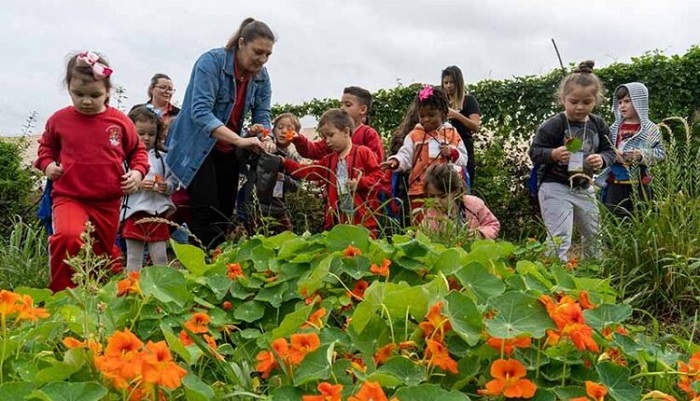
(159, 368)
(301, 345)
(315, 320)
(8, 302)
(437, 355)
(658, 395)
(266, 363)
(329, 392)
(573, 262)
(215, 254)
(281, 349)
(358, 292)
(234, 270)
(121, 361)
(384, 353)
(381, 271)
(596, 391)
(185, 338)
(568, 317)
(436, 324)
(351, 251)
(608, 331)
(265, 132)
(198, 323)
(508, 380)
(27, 311)
(614, 355)
(580, 399)
(690, 373)
(584, 301)
(508, 345)
(210, 341)
(129, 285)
(71, 342)
(289, 135)
(226, 305)
(370, 391)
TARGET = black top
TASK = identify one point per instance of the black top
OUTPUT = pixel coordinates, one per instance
(552, 134)
(469, 106)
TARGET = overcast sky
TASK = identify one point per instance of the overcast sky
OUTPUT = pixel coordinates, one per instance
(323, 45)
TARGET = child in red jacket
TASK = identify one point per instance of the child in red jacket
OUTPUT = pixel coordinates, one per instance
(351, 173)
(83, 151)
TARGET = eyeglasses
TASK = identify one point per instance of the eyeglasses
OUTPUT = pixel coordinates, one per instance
(166, 89)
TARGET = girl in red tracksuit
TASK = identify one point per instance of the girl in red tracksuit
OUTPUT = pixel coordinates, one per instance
(351, 174)
(83, 151)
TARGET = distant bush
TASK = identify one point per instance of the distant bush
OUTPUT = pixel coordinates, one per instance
(17, 184)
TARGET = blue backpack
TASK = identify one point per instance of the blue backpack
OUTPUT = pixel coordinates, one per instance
(44, 210)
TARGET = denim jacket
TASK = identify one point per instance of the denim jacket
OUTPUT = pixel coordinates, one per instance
(208, 102)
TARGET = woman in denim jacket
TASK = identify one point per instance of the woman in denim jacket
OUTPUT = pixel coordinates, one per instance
(224, 85)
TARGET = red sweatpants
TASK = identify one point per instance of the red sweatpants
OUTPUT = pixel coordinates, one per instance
(69, 218)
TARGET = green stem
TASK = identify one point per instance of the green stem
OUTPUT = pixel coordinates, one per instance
(391, 326)
(4, 347)
(539, 356)
(563, 371)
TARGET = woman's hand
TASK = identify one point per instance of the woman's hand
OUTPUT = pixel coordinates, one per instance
(131, 181)
(53, 171)
(453, 113)
(251, 143)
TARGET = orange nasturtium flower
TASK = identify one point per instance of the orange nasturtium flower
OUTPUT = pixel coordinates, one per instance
(584, 301)
(11, 303)
(301, 345)
(370, 391)
(198, 323)
(383, 270)
(384, 353)
(129, 285)
(315, 320)
(351, 251)
(437, 355)
(234, 270)
(508, 379)
(159, 367)
(658, 395)
(568, 317)
(436, 324)
(596, 391)
(329, 392)
(358, 292)
(690, 373)
(289, 135)
(121, 360)
(508, 345)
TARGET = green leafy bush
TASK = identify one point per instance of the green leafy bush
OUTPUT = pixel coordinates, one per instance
(17, 184)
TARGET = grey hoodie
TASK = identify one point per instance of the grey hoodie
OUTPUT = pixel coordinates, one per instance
(647, 139)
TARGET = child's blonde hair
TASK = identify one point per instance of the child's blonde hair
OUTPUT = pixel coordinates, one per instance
(294, 119)
(444, 178)
(583, 75)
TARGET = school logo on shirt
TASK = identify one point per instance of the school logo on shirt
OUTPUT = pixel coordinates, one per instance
(115, 135)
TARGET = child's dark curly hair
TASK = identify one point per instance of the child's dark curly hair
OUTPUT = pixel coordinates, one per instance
(147, 113)
(435, 97)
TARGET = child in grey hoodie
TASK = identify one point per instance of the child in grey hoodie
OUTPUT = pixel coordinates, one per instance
(638, 146)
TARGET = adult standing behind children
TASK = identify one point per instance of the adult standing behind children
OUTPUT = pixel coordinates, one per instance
(464, 113)
(160, 95)
(225, 84)
(638, 146)
(569, 147)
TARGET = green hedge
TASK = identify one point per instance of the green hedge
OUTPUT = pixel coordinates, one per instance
(516, 106)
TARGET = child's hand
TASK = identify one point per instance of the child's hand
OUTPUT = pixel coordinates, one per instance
(619, 157)
(445, 150)
(351, 185)
(131, 181)
(147, 184)
(280, 176)
(392, 164)
(561, 155)
(53, 171)
(595, 161)
(161, 187)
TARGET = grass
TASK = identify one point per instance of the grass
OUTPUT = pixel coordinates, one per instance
(653, 257)
(24, 259)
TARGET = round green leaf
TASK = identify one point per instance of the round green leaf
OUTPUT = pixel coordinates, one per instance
(166, 285)
(465, 319)
(617, 379)
(343, 235)
(428, 392)
(190, 256)
(315, 366)
(249, 311)
(407, 371)
(517, 314)
(607, 314)
(64, 391)
(477, 279)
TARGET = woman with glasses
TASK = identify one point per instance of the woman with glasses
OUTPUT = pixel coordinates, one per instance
(160, 93)
(226, 84)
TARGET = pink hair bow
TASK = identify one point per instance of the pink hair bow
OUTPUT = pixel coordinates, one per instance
(425, 93)
(92, 60)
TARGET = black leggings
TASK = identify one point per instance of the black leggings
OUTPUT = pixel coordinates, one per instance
(213, 194)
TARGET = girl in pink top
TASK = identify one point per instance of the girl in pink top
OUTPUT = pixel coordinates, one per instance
(445, 185)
